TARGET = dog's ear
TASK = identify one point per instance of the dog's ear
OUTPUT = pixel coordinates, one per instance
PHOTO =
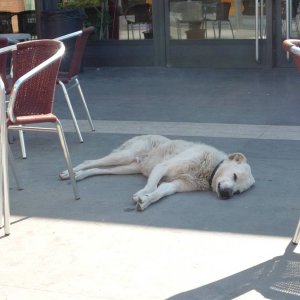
(238, 157)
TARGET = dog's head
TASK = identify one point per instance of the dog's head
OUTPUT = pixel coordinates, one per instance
(233, 176)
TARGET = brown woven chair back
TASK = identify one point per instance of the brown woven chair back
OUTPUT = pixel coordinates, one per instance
(78, 52)
(36, 95)
(3, 62)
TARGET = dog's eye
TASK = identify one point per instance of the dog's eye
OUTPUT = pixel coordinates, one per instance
(235, 177)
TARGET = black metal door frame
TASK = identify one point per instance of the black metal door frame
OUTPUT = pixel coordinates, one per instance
(217, 53)
(281, 57)
(162, 51)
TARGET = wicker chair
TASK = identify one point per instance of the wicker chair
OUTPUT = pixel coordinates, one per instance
(293, 47)
(69, 79)
(3, 64)
(36, 65)
(5, 158)
(4, 185)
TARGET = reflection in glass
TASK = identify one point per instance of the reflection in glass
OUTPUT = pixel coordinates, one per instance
(129, 19)
(215, 19)
(290, 29)
(116, 19)
(137, 19)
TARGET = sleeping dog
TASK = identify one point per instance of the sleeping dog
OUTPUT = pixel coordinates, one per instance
(172, 166)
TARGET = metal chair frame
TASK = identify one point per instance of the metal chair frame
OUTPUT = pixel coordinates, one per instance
(12, 121)
(296, 237)
(3, 63)
(4, 183)
(5, 158)
(292, 46)
(69, 80)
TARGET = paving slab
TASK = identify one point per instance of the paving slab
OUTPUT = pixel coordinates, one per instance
(188, 245)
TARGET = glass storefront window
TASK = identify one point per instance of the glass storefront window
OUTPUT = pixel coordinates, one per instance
(29, 4)
(117, 19)
(290, 29)
(135, 21)
(211, 19)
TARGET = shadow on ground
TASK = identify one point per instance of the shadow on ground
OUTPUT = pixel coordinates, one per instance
(276, 278)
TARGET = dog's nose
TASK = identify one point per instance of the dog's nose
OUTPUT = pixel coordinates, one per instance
(225, 193)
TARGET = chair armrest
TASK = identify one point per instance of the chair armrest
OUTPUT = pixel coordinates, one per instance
(295, 50)
(8, 49)
(292, 46)
(68, 36)
(2, 91)
(29, 75)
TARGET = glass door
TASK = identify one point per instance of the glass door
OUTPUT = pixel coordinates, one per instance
(287, 28)
(215, 33)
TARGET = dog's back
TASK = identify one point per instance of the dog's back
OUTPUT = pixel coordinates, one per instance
(161, 153)
(141, 145)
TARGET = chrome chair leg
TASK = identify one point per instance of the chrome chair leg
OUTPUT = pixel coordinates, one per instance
(68, 159)
(84, 104)
(296, 237)
(5, 180)
(22, 143)
(71, 111)
(11, 162)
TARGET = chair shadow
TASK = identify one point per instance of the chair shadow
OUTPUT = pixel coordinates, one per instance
(278, 278)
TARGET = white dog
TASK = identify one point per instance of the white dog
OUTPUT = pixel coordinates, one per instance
(172, 166)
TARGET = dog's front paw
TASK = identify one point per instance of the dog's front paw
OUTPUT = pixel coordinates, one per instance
(143, 202)
(139, 207)
(135, 198)
(138, 195)
(64, 175)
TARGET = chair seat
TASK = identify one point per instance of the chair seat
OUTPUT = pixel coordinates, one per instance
(32, 119)
(64, 77)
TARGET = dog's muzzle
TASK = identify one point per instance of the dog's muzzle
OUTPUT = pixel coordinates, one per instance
(225, 193)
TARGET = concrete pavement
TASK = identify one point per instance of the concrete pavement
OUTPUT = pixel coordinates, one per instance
(187, 246)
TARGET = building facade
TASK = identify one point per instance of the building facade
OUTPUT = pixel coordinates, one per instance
(185, 33)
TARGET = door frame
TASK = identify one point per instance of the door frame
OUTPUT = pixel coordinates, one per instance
(280, 55)
(210, 53)
(161, 51)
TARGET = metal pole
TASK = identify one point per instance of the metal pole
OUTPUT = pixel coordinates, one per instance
(257, 58)
(287, 21)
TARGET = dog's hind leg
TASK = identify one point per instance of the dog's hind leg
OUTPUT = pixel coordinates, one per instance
(116, 158)
(133, 168)
(164, 189)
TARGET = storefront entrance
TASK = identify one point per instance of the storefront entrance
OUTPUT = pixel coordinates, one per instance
(230, 33)
(210, 33)
(193, 33)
